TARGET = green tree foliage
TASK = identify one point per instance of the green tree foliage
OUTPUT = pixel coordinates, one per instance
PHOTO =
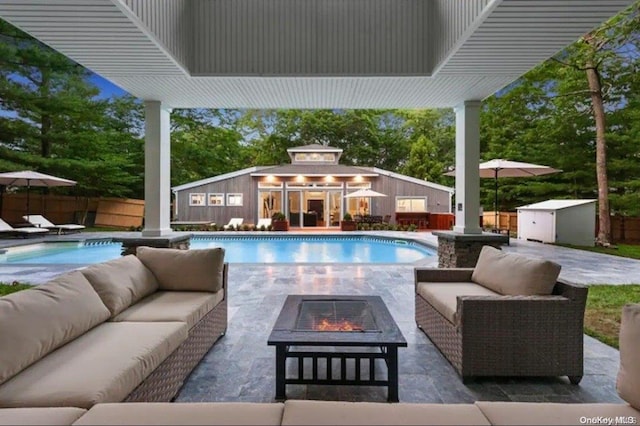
(201, 147)
(432, 139)
(374, 138)
(52, 121)
(547, 117)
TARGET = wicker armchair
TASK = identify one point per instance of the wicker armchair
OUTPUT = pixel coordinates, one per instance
(507, 335)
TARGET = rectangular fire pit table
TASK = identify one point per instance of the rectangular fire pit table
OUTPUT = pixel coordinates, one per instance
(336, 322)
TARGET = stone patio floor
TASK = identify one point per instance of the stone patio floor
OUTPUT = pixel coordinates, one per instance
(240, 367)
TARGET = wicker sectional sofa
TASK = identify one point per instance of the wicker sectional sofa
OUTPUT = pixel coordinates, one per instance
(361, 413)
(131, 329)
(508, 316)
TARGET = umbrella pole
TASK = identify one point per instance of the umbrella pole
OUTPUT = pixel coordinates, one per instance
(28, 185)
(495, 201)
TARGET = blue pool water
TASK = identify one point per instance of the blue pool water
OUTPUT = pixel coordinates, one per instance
(240, 250)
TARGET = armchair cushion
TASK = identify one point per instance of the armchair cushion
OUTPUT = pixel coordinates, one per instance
(444, 296)
(628, 383)
(515, 275)
(185, 270)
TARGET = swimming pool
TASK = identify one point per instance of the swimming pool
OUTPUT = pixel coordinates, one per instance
(240, 249)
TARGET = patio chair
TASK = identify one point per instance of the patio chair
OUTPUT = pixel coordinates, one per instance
(40, 221)
(264, 222)
(508, 316)
(8, 230)
(233, 223)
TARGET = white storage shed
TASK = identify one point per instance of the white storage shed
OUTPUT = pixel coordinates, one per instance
(558, 221)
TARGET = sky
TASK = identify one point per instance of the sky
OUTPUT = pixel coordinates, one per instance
(107, 89)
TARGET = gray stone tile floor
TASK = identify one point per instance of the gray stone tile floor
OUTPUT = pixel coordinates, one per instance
(240, 367)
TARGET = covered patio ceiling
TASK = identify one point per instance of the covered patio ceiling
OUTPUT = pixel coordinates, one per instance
(309, 53)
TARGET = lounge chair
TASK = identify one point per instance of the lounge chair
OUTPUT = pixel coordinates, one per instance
(6, 229)
(264, 222)
(42, 222)
(233, 223)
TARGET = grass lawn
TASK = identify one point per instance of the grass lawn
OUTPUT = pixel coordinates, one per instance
(623, 250)
(11, 288)
(604, 305)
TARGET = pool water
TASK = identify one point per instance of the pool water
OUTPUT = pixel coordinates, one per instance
(240, 250)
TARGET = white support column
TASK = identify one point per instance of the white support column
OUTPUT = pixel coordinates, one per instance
(157, 170)
(467, 206)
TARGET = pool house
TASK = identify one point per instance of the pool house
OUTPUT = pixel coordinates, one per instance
(311, 191)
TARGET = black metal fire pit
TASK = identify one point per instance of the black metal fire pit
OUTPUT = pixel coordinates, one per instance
(335, 322)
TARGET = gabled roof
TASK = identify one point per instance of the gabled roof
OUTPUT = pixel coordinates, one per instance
(216, 178)
(315, 170)
(413, 180)
(314, 148)
(555, 204)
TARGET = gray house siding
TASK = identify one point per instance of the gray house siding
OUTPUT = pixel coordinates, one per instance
(244, 184)
(437, 199)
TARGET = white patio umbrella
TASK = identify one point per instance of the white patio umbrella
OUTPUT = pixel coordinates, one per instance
(505, 168)
(29, 178)
(364, 193)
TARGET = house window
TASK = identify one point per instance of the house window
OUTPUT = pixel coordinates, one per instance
(216, 199)
(234, 200)
(411, 204)
(314, 156)
(197, 199)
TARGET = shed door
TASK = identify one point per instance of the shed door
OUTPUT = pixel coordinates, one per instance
(542, 227)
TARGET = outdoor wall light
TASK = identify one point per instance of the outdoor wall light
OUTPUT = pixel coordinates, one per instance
(300, 178)
(358, 178)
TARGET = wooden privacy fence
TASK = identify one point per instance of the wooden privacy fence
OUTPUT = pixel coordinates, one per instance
(506, 220)
(116, 212)
(624, 229)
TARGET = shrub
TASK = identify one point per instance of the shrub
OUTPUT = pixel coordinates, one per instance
(245, 227)
(412, 228)
(278, 216)
(347, 217)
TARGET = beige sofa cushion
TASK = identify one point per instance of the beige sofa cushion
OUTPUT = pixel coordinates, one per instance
(628, 383)
(36, 321)
(103, 365)
(185, 306)
(187, 270)
(444, 296)
(40, 416)
(121, 282)
(512, 274)
(368, 413)
(546, 413)
(162, 413)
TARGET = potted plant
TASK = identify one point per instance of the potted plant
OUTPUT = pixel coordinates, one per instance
(347, 223)
(279, 222)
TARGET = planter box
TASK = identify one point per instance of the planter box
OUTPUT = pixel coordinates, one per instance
(280, 225)
(348, 225)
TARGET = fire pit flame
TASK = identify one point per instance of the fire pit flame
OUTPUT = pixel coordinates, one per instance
(341, 325)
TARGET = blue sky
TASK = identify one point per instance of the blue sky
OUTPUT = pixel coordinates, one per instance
(107, 89)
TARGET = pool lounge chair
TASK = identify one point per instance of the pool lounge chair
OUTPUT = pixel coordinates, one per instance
(8, 230)
(233, 223)
(40, 221)
(264, 222)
